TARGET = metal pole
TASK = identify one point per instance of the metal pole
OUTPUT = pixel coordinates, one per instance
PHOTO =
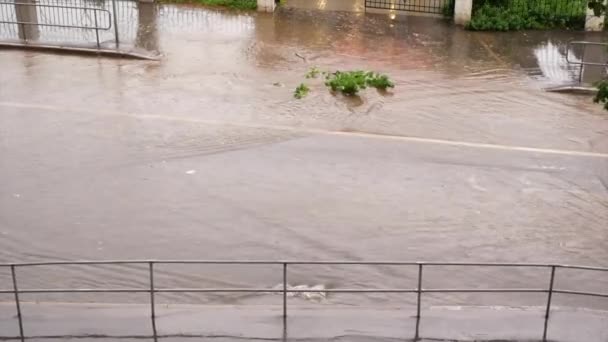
(152, 306)
(115, 22)
(96, 28)
(418, 303)
(284, 301)
(17, 303)
(580, 71)
(549, 303)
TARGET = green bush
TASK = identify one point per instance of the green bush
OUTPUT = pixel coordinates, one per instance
(505, 15)
(301, 91)
(349, 83)
(602, 94)
(234, 4)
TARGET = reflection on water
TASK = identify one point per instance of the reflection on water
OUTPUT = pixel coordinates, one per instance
(342, 29)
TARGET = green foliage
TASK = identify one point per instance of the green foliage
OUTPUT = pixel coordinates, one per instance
(313, 72)
(598, 7)
(301, 91)
(351, 82)
(602, 93)
(506, 15)
(234, 4)
(448, 8)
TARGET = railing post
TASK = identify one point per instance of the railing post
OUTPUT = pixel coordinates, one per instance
(285, 297)
(96, 28)
(548, 310)
(115, 17)
(17, 303)
(284, 301)
(418, 303)
(152, 306)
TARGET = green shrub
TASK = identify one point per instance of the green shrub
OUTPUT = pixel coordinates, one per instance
(505, 15)
(350, 82)
(301, 91)
(234, 4)
(602, 94)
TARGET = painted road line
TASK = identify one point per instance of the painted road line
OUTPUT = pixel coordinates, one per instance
(378, 136)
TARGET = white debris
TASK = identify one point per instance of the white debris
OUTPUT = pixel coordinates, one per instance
(16, 195)
(314, 293)
(190, 172)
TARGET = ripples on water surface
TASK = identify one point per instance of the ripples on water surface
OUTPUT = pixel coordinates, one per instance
(241, 69)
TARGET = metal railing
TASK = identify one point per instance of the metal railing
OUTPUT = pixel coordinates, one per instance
(152, 290)
(582, 63)
(444, 7)
(57, 15)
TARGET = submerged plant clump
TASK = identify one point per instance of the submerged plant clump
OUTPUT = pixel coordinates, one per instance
(351, 82)
(301, 91)
(348, 83)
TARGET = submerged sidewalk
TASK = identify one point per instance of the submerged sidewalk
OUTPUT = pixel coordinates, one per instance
(309, 322)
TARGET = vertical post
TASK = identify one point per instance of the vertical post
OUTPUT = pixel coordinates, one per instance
(115, 17)
(152, 306)
(582, 67)
(26, 14)
(418, 303)
(285, 301)
(96, 28)
(594, 22)
(549, 303)
(463, 11)
(17, 303)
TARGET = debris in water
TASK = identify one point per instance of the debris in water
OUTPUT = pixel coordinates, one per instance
(314, 293)
(278, 84)
(190, 172)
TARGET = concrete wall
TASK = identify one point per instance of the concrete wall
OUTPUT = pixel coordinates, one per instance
(593, 22)
(266, 5)
(463, 10)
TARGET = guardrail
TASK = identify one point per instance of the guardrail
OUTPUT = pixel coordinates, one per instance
(419, 290)
(582, 62)
(58, 15)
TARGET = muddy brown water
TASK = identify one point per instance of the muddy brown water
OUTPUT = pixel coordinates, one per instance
(95, 154)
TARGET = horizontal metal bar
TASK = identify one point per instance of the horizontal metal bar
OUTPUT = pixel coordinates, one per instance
(585, 42)
(485, 290)
(582, 293)
(53, 6)
(295, 262)
(57, 25)
(262, 290)
(124, 290)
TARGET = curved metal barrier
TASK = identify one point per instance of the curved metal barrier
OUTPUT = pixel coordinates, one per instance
(550, 290)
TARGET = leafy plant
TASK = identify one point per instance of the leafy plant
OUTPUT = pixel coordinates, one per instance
(313, 72)
(505, 15)
(351, 82)
(234, 4)
(301, 91)
(602, 93)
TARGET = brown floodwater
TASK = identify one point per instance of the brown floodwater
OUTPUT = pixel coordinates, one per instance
(205, 154)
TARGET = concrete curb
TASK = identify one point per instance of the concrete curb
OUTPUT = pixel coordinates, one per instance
(80, 50)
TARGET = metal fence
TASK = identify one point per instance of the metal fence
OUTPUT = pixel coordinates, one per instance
(54, 15)
(443, 7)
(82, 23)
(582, 47)
(152, 290)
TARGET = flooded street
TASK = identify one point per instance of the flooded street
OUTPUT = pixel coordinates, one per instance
(205, 154)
